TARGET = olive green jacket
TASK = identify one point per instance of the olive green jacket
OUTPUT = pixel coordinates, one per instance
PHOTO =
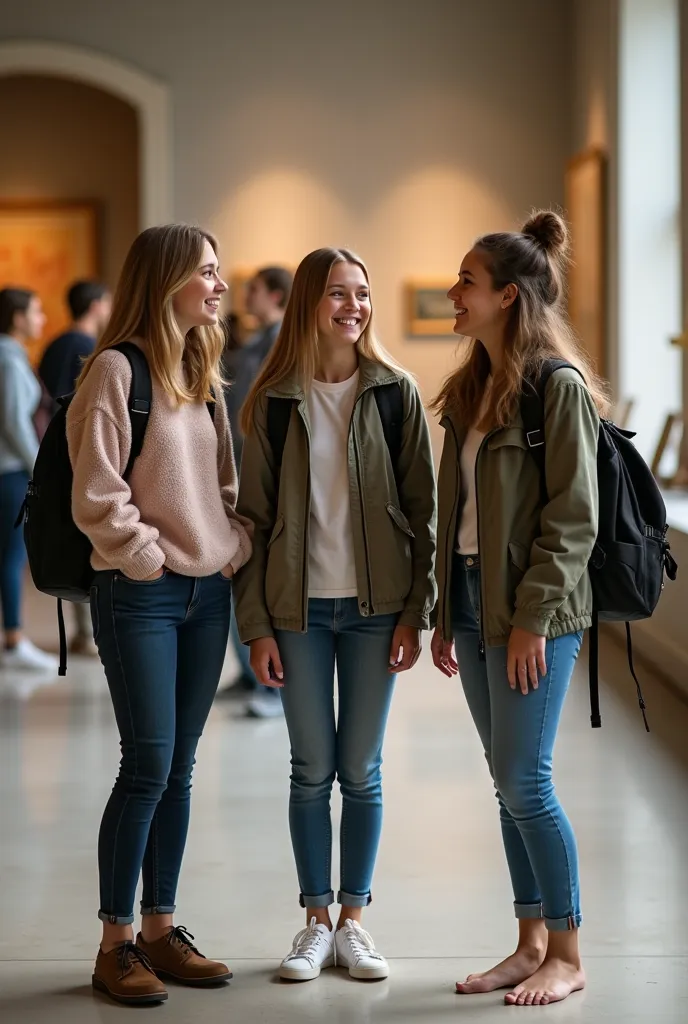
(533, 557)
(393, 530)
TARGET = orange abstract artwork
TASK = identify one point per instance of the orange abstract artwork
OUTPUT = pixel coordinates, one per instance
(46, 247)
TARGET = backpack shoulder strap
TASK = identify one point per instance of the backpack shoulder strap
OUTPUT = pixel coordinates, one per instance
(533, 412)
(211, 405)
(390, 405)
(279, 415)
(140, 397)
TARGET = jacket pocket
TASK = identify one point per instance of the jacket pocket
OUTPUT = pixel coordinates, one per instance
(519, 555)
(399, 519)
(276, 530)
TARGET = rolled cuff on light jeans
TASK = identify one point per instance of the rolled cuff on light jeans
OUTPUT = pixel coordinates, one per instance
(120, 919)
(528, 911)
(149, 911)
(326, 900)
(345, 899)
(563, 924)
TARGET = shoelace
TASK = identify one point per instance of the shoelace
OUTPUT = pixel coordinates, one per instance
(127, 954)
(184, 936)
(361, 941)
(306, 943)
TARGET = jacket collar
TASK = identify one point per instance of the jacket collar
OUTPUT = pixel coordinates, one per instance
(371, 374)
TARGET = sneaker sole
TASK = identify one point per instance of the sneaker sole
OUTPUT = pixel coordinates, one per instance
(288, 975)
(140, 1000)
(372, 974)
(214, 982)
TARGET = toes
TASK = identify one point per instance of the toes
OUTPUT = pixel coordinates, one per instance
(512, 998)
(522, 999)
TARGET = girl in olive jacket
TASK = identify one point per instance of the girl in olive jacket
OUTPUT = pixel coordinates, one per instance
(341, 576)
(514, 592)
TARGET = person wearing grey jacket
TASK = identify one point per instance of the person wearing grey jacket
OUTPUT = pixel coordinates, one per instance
(21, 320)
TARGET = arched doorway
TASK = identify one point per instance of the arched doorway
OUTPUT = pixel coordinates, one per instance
(149, 97)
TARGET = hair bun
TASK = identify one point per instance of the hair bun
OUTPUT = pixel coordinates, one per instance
(550, 231)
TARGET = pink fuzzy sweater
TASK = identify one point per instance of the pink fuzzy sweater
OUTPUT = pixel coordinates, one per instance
(178, 507)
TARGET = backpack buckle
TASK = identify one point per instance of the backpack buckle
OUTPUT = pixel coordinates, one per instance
(535, 438)
(140, 405)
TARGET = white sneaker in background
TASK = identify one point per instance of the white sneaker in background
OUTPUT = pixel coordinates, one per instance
(356, 950)
(265, 705)
(26, 655)
(311, 952)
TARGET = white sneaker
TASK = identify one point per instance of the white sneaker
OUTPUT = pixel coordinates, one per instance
(356, 950)
(26, 655)
(265, 706)
(311, 952)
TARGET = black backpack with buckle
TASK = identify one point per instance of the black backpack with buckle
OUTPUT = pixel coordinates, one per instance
(631, 554)
(59, 553)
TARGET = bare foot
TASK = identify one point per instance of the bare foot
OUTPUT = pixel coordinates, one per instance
(512, 971)
(555, 980)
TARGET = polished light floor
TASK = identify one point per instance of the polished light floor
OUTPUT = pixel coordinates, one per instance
(442, 899)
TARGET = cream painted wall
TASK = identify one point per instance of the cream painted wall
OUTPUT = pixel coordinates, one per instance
(402, 130)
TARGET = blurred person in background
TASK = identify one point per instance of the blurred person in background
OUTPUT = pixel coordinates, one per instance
(267, 293)
(89, 305)
(21, 320)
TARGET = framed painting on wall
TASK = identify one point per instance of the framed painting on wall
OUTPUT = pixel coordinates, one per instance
(429, 313)
(586, 207)
(46, 246)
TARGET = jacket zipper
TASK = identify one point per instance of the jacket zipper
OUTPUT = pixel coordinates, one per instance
(369, 595)
(452, 531)
(481, 644)
(306, 519)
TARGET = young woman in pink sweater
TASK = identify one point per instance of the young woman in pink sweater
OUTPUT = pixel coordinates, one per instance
(166, 543)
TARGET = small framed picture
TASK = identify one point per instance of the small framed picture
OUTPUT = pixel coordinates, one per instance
(429, 313)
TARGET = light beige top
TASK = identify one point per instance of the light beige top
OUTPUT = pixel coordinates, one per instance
(178, 507)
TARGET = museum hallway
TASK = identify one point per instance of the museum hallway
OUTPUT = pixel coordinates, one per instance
(442, 899)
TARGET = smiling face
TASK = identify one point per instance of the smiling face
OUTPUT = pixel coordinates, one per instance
(344, 310)
(479, 306)
(197, 304)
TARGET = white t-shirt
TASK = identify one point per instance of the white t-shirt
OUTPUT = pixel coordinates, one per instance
(331, 565)
(467, 540)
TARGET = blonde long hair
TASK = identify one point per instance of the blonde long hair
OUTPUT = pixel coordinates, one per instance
(159, 263)
(535, 260)
(296, 348)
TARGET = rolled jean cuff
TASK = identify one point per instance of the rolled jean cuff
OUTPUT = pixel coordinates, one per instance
(148, 911)
(528, 911)
(116, 918)
(326, 900)
(563, 924)
(346, 899)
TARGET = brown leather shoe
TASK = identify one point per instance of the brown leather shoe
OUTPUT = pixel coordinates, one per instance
(125, 974)
(174, 956)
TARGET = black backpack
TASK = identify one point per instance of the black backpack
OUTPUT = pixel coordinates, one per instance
(390, 405)
(59, 553)
(631, 554)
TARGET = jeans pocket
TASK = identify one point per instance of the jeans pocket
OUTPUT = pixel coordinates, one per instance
(95, 616)
(119, 576)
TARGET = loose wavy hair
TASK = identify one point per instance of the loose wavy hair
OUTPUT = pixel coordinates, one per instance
(535, 260)
(158, 265)
(296, 348)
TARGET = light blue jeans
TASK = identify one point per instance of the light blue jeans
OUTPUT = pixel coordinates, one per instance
(347, 747)
(518, 734)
